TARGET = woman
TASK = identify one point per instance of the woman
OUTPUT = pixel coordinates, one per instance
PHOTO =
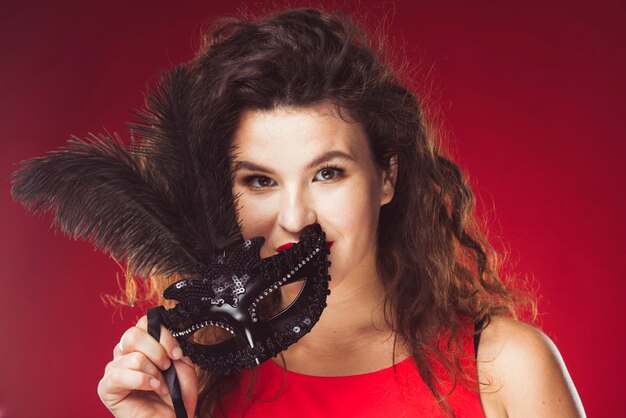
(323, 132)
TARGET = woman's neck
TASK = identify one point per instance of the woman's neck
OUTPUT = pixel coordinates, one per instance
(353, 335)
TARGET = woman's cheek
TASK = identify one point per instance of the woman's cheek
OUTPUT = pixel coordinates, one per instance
(351, 207)
(250, 214)
(256, 216)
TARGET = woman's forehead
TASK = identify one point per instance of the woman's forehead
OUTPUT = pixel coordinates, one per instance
(288, 132)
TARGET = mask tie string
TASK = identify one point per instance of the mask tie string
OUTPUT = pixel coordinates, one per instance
(154, 329)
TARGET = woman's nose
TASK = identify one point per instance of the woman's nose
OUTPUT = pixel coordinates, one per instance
(296, 211)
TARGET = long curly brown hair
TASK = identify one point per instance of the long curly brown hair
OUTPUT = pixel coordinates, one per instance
(438, 269)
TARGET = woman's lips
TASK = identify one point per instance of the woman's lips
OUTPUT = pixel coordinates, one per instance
(285, 246)
(291, 244)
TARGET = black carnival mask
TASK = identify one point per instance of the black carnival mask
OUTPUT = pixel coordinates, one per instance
(229, 293)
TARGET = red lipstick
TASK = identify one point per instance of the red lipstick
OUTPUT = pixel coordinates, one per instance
(285, 246)
(291, 244)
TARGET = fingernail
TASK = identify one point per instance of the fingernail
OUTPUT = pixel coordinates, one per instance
(177, 353)
(154, 383)
(187, 360)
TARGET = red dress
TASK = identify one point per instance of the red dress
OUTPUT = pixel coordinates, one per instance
(381, 393)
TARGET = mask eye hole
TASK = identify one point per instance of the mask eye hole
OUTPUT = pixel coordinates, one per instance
(278, 301)
(209, 334)
(269, 306)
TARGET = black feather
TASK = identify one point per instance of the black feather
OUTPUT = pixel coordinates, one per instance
(162, 205)
(181, 155)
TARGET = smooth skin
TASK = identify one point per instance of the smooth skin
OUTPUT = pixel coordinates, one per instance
(297, 166)
(133, 385)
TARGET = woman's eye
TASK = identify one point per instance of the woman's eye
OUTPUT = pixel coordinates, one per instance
(259, 182)
(328, 173)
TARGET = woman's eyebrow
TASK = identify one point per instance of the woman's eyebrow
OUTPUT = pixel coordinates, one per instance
(247, 165)
(330, 155)
(327, 156)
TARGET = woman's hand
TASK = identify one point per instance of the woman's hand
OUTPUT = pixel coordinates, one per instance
(133, 385)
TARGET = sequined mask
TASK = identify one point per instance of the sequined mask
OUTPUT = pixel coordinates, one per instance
(229, 293)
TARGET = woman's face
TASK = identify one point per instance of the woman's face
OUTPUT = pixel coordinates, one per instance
(297, 166)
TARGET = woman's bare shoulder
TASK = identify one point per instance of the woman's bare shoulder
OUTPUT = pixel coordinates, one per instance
(522, 373)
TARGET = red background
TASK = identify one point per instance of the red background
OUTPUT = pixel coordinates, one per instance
(533, 100)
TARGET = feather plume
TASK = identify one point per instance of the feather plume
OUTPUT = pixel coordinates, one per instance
(181, 154)
(152, 204)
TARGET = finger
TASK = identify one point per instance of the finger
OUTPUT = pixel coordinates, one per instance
(167, 340)
(137, 361)
(117, 350)
(137, 339)
(120, 381)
